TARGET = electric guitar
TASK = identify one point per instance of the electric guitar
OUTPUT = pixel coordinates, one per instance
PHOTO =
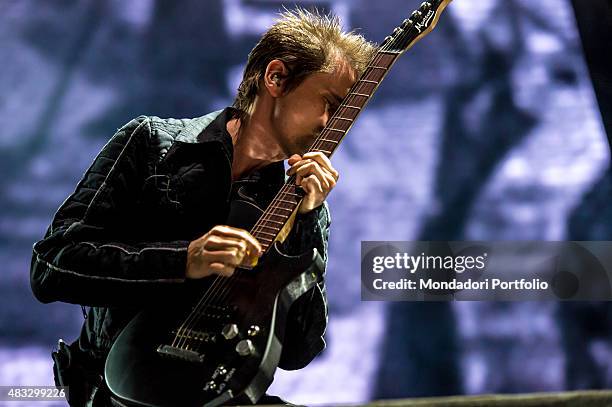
(223, 344)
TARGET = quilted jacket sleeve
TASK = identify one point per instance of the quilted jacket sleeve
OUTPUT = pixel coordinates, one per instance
(81, 260)
(307, 319)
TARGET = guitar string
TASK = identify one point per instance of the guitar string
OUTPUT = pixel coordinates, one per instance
(219, 284)
(222, 286)
(181, 330)
(266, 216)
(221, 289)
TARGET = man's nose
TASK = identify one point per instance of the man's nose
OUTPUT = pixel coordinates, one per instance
(325, 117)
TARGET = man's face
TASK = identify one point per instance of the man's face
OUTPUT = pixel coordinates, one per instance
(300, 115)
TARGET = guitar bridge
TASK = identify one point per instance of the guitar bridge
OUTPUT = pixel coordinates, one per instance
(180, 353)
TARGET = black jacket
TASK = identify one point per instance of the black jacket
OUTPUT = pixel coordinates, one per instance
(119, 242)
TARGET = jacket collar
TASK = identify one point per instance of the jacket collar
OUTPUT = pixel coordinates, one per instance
(216, 129)
(212, 128)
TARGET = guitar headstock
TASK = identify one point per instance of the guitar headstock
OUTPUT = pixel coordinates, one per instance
(419, 24)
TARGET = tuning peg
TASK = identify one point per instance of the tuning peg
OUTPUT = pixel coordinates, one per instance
(397, 31)
(407, 23)
(416, 14)
(424, 6)
(388, 38)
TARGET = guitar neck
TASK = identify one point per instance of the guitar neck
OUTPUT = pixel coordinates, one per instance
(355, 101)
(283, 206)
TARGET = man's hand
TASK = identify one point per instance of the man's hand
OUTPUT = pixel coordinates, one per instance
(220, 251)
(315, 174)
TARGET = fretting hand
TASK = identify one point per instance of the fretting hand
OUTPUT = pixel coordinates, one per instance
(315, 174)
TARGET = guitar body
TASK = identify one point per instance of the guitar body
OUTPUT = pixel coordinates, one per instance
(229, 354)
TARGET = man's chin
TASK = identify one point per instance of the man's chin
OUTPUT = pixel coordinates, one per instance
(299, 150)
(303, 149)
(308, 147)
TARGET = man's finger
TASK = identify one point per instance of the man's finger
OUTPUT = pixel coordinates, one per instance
(228, 231)
(297, 165)
(222, 242)
(304, 162)
(221, 269)
(312, 184)
(315, 170)
(293, 159)
(323, 161)
(229, 257)
(331, 181)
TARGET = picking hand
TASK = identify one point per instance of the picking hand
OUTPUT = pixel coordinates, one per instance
(221, 251)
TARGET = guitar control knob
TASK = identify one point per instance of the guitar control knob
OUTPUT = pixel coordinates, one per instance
(221, 370)
(211, 385)
(229, 331)
(245, 347)
(253, 330)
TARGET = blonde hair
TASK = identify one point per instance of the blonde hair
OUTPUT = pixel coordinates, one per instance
(306, 42)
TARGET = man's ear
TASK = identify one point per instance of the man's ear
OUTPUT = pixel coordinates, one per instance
(275, 77)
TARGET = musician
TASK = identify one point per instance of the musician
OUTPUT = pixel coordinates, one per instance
(149, 214)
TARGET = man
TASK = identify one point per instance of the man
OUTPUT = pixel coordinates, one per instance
(150, 212)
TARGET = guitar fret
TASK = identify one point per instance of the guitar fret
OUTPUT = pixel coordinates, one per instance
(359, 94)
(378, 67)
(280, 207)
(390, 52)
(351, 107)
(291, 193)
(284, 200)
(338, 130)
(266, 233)
(368, 81)
(269, 227)
(343, 118)
(323, 151)
(274, 221)
(329, 141)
